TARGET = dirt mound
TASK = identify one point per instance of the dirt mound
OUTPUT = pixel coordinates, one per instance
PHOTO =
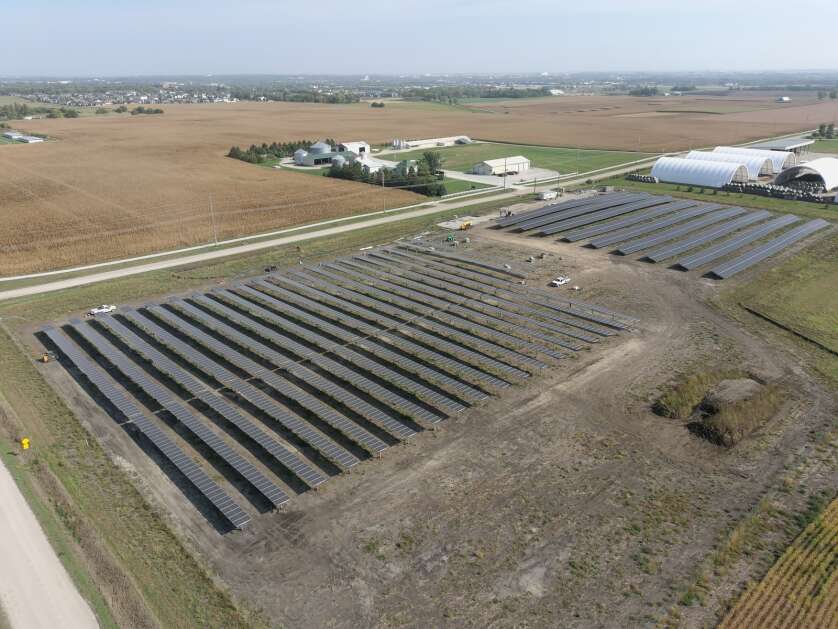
(729, 392)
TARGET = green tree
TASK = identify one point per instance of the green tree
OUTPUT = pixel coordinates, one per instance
(830, 131)
(433, 160)
(821, 130)
(833, 94)
(821, 95)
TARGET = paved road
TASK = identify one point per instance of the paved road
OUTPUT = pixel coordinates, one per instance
(231, 251)
(285, 240)
(35, 590)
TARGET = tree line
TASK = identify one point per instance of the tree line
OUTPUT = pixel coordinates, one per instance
(422, 179)
(256, 154)
(18, 111)
(648, 90)
(293, 95)
(822, 94)
(145, 110)
(453, 94)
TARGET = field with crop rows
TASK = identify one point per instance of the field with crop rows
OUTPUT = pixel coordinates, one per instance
(108, 187)
(801, 589)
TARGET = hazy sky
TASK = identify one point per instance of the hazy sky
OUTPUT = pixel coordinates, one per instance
(120, 37)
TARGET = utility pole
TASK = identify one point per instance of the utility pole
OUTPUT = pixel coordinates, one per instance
(383, 192)
(504, 173)
(212, 219)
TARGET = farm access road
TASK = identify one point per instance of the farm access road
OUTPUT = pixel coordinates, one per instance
(436, 206)
(35, 590)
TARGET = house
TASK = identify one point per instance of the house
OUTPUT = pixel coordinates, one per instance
(503, 165)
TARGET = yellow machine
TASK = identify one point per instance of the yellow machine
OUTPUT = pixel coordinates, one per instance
(24, 443)
(45, 357)
(465, 226)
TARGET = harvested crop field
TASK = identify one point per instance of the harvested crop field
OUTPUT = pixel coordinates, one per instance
(114, 186)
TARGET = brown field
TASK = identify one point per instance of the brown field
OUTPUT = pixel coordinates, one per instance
(111, 187)
(801, 589)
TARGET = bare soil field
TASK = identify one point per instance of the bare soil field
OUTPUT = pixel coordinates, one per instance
(107, 187)
(565, 502)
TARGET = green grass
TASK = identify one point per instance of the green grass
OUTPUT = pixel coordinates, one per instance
(458, 185)
(5, 140)
(57, 535)
(802, 294)
(97, 496)
(825, 146)
(564, 160)
(828, 211)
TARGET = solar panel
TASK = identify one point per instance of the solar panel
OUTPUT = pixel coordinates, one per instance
(649, 241)
(355, 377)
(587, 219)
(232, 512)
(393, 304)
(401, 319)
(553, 208)
(526, 293)
(583, 233)
(283, 456)
(328, 387)
(602, 204)
(454, 283)
(713, 233)
(730, 245)
(188, 419)
(248, 392)
(473, 300)
(768, 249)
(621, 235)
(402, 361)
(432, 356)
(477, 263)
(286, 388)
(444, 402)
(461, 316)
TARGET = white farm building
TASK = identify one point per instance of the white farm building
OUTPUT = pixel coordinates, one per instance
(322, 153)
(697, 172)
(823, 170)
(779, 159)
(513, 164)
(756, 164)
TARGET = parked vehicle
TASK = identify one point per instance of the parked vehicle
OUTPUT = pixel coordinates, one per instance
(103, 309)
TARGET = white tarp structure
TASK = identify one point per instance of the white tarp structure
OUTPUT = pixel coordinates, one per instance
(825, 168)
(756, 165)
(697, 172)
(779, 159)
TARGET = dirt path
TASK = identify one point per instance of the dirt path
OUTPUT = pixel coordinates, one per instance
(35, 590)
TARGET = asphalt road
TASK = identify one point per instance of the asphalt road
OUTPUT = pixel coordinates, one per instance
(35, 590)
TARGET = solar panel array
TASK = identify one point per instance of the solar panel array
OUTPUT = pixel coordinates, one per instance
(279, 382)
(657, 228)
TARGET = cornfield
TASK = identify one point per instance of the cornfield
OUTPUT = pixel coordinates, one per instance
(801, 589)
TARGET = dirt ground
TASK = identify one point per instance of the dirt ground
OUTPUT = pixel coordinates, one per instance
(566, 502)
(113, 186)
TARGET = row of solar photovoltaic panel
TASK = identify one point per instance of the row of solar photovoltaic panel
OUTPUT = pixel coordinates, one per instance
(561, 207)
(317, 312)
(117, 396)
(529, 294)
(637, 232)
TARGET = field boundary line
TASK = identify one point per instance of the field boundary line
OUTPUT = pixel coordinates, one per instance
(787, 328)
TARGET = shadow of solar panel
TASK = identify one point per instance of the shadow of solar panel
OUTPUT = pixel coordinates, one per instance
(234, 514)
(768, 249)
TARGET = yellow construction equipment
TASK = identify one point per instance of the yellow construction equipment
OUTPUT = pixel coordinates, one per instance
(24, 443)
(466, 225)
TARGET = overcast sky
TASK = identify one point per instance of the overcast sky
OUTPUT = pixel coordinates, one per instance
(120, 37)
